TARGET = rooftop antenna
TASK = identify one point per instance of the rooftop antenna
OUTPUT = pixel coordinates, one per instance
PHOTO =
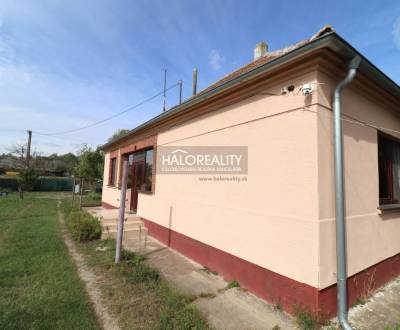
(194, 82)
(165, 90)
(180, 83)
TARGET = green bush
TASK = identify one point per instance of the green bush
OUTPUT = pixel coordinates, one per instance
(84, 227)
(28, 178)
(94, 196)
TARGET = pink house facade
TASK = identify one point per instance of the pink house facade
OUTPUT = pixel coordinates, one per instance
(273, 228)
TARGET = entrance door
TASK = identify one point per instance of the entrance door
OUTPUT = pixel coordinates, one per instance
(138, 171)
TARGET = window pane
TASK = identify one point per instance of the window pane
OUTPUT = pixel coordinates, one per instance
(112, 171)
(149, 170)
(383, 173)
(389, 170)
(139, 156)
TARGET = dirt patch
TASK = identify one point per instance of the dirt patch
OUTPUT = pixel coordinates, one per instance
(91, 280)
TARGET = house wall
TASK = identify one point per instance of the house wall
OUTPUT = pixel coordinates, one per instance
(111, 194)
(275, 232)
(371, 238)
(270, 220)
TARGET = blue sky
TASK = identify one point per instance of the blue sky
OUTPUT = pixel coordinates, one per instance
(65, 64)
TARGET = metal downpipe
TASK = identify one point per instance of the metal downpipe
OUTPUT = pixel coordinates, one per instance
(339, 196)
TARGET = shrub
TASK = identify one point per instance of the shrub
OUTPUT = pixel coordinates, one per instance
(84, 227)
(27, 178)
(94, 196)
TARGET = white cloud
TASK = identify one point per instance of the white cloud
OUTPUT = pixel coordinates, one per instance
(216, 59)
(396, 32)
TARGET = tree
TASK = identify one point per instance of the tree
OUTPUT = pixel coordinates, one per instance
(70, 161)
(118, 133)
(19, 152)
(90, 165)
(27, 178)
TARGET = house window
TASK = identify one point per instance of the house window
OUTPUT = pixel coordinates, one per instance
(112, 179)
(143, 163)
(389, 170)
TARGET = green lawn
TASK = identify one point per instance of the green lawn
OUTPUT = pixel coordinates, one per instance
(39, 285)
(137, 293)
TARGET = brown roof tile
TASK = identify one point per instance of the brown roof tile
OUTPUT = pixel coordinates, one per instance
(266, 58)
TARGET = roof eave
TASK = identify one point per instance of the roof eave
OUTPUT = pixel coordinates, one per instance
(330, 40)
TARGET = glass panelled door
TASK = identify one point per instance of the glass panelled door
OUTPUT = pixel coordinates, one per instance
(138, 181)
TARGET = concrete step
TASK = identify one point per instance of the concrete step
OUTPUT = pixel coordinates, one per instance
(138, 233)
(144, 245)
(127, 225)
(115, 218)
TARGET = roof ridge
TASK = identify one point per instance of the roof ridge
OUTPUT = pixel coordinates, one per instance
(269, 56)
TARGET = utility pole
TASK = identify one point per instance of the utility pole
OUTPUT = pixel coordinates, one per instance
(165, 90)
(121, 214)
(28, 149)
(81, 192)
(180, 82)
(73, 191)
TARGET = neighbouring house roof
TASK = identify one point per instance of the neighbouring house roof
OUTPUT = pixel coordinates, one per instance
(324, 38)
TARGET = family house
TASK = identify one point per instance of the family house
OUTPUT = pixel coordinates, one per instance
(269, 222)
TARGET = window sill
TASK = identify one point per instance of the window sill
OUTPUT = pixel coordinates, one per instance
(385, 208)
(111, 186)
(145, 192)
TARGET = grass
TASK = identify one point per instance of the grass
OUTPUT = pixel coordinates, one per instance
(396, 327)
(91, 199)
(40, 288)
(209, 271)
(233, 284)
(278, 306)
(137, 293)
(305, 320)
(359, 302)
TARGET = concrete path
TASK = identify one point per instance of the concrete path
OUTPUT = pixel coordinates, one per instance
(380, 312)
(238, 309)
(224, 308)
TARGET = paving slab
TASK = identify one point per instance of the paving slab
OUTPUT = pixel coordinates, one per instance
(240, 310)
(188, 277)
(224, 308)
(381, 311)
(101, 212)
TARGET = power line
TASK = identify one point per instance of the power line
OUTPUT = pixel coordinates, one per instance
(111, 117)
(301, 108)
(64, 138)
